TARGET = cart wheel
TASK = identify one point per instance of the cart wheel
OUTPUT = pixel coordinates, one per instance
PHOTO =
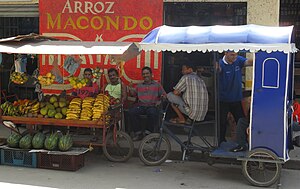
(120, 150)
(210, 161)
(154, 150)
(260, 173)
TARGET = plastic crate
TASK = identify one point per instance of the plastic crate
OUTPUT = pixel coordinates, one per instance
(18, 157)
(60, 162)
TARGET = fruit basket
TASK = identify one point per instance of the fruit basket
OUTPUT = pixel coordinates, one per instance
(76, 82)
(47, 79)
(18, 78)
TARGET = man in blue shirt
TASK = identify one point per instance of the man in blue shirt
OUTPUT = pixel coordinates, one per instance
(230, 88)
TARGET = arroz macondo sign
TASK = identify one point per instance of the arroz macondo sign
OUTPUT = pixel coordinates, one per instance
(96, 20)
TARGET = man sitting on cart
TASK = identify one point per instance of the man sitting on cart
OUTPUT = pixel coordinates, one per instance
(190, 97)
(116, 90)
(90, 89)
(149, 95)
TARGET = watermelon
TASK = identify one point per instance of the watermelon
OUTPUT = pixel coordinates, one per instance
(65, 143)
(38, 140)
(25, 142)
(13, 140)
(51, 141)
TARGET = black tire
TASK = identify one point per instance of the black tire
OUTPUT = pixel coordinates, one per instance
(210, 161)
(260, 173)
(150, 153)
(121, 150)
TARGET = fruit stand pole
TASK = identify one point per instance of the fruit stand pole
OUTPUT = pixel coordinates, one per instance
(1, 90)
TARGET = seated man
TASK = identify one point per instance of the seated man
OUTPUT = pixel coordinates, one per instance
(90, 89)
(149, 95)
(189, 97)
(116, 90)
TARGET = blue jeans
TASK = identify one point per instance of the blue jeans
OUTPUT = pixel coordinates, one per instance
(152, 113)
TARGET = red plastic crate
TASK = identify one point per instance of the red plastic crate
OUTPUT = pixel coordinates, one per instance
(60, 161)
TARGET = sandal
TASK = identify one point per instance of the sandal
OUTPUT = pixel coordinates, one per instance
(176, 121)
(188, 121)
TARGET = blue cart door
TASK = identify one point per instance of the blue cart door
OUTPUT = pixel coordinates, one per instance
(269, 119)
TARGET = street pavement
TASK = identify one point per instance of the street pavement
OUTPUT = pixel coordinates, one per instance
(100, 173)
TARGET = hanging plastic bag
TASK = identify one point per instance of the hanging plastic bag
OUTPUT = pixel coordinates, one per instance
(20, 63)
(56, 71)
(71, 64)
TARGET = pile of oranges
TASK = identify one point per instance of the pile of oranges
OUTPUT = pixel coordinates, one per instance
(77, 83)
(47, 79)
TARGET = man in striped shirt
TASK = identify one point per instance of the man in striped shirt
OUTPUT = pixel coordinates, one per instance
(189, 97)
(149, 95)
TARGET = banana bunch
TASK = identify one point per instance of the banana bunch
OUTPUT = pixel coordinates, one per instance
(101, 105)
(9, 109)
(86, 110)
(74, 109)
(27, 106)
(35, 108)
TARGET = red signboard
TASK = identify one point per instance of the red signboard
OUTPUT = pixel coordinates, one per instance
(96, 20)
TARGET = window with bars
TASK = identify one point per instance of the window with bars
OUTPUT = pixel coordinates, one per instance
(12, 26)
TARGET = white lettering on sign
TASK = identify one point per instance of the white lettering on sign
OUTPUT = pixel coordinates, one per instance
(88, 7)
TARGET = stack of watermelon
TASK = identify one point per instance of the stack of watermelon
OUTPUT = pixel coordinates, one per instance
(39, 141)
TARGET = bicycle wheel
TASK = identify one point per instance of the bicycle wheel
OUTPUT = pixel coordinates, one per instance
(119, 150)
(260, 173)
(154, 149)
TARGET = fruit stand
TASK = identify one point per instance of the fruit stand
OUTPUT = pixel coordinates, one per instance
(117, 145)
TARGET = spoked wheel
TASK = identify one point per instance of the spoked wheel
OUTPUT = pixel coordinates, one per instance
(263, 172)
(120, 149)
(154, 149)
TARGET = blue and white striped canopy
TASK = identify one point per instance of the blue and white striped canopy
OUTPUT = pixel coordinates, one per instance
(219, 38)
